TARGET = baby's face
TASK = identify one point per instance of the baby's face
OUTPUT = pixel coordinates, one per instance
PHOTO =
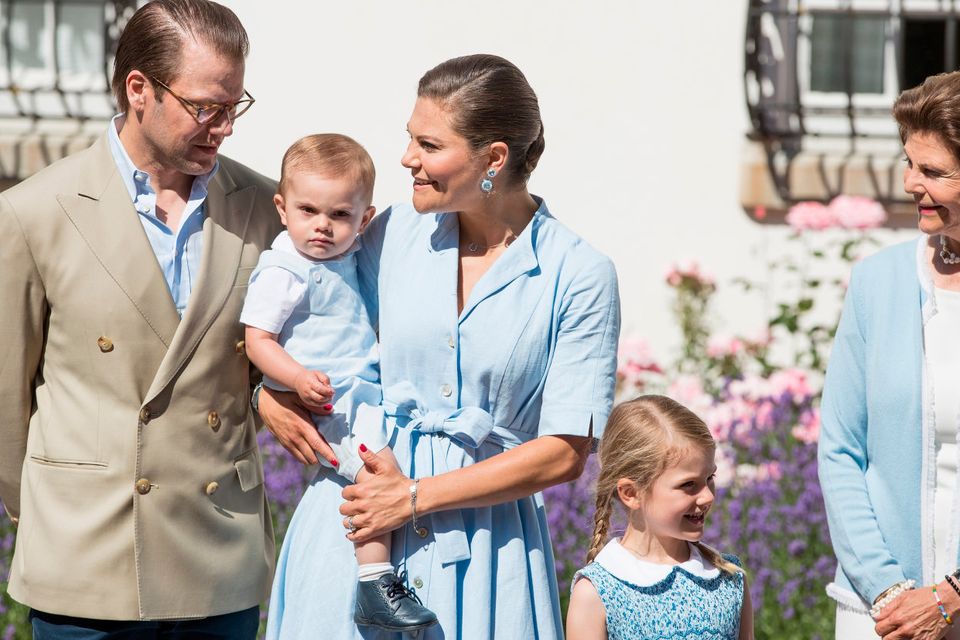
(323, 215)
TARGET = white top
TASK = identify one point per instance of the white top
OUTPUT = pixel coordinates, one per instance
(274, 293)
(942, 347)
(625, 566)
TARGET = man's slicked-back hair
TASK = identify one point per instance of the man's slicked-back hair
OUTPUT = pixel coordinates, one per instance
(153, 40)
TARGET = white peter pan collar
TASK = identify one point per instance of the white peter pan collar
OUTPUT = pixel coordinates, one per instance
(625, 566)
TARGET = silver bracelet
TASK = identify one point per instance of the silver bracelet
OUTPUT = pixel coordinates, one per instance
(421, 531)
(890, 595)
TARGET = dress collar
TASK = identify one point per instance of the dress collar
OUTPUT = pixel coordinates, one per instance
(622, 564)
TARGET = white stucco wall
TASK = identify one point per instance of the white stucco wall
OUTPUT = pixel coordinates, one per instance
(642, 102)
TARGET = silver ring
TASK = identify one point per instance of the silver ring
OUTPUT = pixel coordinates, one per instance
(350, 524)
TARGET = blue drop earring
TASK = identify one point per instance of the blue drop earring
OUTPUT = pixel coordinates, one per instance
(486, 185)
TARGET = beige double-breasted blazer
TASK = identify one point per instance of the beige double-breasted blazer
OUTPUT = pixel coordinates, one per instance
(127, 444)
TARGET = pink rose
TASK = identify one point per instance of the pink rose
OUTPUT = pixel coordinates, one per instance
(857, 212)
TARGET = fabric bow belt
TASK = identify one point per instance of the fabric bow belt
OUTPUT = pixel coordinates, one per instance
(442, 441)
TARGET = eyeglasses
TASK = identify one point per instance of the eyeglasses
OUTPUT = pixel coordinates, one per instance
(207, 113)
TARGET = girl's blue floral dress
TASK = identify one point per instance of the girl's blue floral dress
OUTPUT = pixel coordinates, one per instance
(648, 601)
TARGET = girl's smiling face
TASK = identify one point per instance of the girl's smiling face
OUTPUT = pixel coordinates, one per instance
(676, 504)
(932, 177)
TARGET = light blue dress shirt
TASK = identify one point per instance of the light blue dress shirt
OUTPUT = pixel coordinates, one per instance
(178, 252)
(533, 353)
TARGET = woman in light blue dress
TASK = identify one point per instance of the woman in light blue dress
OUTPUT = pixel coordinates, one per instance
(498, 330)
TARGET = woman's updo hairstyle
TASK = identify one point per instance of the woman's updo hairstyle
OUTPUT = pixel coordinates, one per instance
(489, 100)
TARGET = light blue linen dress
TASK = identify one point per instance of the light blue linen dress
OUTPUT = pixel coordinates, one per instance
(533, 353)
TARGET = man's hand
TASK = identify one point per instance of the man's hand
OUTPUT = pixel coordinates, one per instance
(289, 421)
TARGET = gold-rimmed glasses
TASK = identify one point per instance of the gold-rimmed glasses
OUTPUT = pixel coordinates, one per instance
(207, 113)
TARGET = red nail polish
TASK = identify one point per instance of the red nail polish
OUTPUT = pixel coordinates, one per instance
(335, 463)
(363, 448)
(328, 407)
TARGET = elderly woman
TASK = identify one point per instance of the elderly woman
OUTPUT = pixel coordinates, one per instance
(891, 403)
(498, 330)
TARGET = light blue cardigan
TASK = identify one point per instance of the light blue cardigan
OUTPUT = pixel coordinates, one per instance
(876, 451)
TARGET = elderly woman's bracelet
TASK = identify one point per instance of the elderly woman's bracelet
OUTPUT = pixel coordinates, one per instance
(889, 595)
(943, 611)
(421, 531)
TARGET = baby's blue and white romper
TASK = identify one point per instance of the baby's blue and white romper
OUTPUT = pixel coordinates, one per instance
(532, 353)
(647, 601)
(320, 319)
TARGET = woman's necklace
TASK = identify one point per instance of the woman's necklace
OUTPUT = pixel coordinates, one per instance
(476, 247)
(948, 257)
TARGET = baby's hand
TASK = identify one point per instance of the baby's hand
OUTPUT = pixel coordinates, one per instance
(310, 386)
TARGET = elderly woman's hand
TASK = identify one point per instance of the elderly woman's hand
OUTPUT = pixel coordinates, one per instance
(914, 615)
(379, 502)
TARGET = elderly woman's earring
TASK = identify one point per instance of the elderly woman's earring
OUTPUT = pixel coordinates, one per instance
(486, 185)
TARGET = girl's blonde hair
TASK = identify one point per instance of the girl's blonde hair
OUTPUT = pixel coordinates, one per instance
(644, 437)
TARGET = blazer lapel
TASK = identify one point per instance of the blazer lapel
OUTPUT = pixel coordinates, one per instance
(227, 214)
(102, 212)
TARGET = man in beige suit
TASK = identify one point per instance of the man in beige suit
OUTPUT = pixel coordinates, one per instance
(129, 452)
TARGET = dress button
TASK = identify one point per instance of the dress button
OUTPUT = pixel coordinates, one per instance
(143, 486)
(451, 342)
(105, 344)
(145, 415)
(317, 277)
(240, 347)
(446, 391)
(212, 487)
(418, 583)
(213, 419)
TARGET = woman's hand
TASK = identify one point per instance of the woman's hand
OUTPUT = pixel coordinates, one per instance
(913, 614)
(379, 502)
(289, 421)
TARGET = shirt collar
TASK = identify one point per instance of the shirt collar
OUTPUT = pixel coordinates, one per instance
(622, 564)
(136, 181)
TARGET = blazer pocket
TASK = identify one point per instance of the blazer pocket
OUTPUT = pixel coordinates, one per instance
(243, 276)
(68, 464)
(249, 470)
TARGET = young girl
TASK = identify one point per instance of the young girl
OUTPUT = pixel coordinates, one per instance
(658, 580)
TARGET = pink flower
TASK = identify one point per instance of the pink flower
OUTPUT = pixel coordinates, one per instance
(634, 360)
(857, 212)
(811, 215)
(688, 391)
(808, 430)
(687, 270)
(725, 467)
(720, 346)
(792, 381)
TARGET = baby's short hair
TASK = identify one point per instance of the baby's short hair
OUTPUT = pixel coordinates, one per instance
(333, 155)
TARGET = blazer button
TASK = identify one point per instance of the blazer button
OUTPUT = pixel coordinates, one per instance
(213, 419)
(145, 415)
(240, 347)
(317, 277)
(143, 486)
(451, 343)
(418, 583)
(446, 391)
(212, 487)
(105, 344)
